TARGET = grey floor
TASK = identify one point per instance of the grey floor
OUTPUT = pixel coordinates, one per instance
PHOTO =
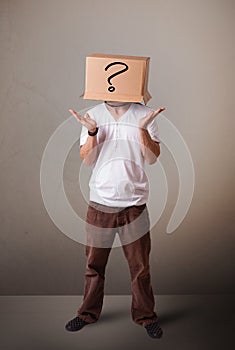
(188, 322)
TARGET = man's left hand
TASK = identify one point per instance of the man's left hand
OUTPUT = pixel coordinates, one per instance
(143, 123)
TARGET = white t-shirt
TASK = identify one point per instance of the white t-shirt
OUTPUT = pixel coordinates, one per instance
(118, 178)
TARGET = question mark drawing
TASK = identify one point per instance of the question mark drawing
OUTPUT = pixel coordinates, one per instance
(112, 88)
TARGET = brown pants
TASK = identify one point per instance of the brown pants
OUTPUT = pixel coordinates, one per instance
(123, 221)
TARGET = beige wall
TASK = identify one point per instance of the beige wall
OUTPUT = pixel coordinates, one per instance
(43, 50)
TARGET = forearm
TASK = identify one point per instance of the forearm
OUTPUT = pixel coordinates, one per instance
(88, 151)
(150, 149)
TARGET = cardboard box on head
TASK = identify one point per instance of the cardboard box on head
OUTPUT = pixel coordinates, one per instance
(117, 78)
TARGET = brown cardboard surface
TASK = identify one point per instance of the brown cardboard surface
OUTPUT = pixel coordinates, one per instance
(117, 78)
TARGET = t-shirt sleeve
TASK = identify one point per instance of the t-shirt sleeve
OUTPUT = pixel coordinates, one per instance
(83, 135)
(153, 131)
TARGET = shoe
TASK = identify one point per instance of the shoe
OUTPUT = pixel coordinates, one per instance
(75, 324)
(154, 330)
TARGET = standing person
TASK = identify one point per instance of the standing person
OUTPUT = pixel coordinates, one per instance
(116, 140)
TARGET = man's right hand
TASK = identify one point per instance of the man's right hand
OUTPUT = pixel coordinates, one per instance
(89, 123)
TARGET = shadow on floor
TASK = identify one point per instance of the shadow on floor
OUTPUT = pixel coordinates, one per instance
(107, 316)
(175, 315)
(164, 318)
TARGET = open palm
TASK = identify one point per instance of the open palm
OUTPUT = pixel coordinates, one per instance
(143, 123)
(89, 123)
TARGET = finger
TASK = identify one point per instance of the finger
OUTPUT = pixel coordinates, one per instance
(155, 113)
(87, 118)
(151, 115)
(72, 111)
(75, 114)
(160, 110)
(84, 121)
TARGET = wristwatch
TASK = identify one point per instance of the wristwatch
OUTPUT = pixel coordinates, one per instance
(93, 133)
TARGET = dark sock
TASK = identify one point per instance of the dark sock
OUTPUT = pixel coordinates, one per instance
(154, 330)
(75, 324)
